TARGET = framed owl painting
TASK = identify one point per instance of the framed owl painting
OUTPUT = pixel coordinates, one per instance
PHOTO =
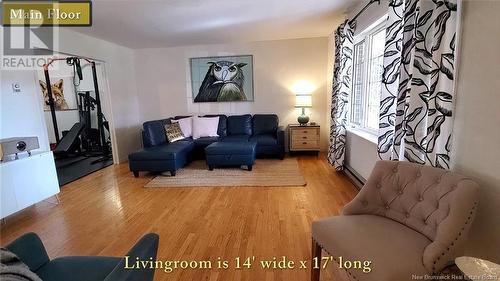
(222, 79)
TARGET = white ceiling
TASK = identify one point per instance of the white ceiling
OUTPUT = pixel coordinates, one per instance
(167, 23)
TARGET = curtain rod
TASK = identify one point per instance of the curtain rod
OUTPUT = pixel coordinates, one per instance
(362, 10)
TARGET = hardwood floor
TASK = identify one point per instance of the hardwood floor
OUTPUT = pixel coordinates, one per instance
(106, 212)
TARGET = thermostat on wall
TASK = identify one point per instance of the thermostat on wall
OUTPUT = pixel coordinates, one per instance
(16, 87)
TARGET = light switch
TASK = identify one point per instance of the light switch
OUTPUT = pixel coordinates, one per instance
(16, 88)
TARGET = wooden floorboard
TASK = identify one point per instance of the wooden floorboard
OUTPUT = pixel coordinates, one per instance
(106, 212)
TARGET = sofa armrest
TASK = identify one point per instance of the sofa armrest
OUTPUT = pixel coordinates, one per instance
(29, 248)
(280, 135)
(451, 233)
(143, 250)
(143, 137)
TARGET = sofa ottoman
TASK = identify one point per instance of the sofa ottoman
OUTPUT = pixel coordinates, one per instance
(161, 158)
(220, 154)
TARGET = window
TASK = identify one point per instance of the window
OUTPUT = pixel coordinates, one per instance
(367, 77)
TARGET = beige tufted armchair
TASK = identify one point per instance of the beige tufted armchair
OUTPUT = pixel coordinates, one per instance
(408, 220)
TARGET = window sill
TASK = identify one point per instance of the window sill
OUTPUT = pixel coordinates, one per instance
(363, 134)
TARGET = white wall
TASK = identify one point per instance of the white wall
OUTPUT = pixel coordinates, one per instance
(477, 122)
(476, 151)
(21, 113)
(164, 86)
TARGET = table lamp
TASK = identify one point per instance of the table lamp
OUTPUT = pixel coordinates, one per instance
(303, 101)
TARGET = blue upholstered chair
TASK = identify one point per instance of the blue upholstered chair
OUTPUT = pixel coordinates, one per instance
(29, 248)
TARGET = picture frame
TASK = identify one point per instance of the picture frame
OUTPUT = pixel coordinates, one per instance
(222, 78)
(63, 93)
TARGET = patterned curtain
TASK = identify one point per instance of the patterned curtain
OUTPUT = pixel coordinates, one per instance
(342, 74)
(418, 82)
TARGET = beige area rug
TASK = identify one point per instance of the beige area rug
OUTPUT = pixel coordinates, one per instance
(266, 172)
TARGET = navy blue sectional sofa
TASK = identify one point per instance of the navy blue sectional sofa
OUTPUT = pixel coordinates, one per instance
(160, 156)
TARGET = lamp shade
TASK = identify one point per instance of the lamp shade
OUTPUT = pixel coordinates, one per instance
(303, 101)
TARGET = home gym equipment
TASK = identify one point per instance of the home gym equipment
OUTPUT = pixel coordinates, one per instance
(67, 143)
(93, 140)
(90, 136)
(86, 147)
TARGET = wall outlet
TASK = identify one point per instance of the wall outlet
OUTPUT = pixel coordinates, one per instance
(16, 88)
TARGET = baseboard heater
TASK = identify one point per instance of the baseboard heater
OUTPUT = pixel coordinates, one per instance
(354, 176)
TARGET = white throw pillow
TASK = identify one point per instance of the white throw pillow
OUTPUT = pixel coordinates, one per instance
(186, 126)
(205, 127)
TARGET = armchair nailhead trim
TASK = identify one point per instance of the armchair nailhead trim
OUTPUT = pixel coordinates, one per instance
(346, 270)
(453, 242)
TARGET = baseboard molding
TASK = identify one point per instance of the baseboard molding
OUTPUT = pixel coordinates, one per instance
(354, 176)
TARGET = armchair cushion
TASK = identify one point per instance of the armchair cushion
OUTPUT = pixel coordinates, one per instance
(394, 249)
